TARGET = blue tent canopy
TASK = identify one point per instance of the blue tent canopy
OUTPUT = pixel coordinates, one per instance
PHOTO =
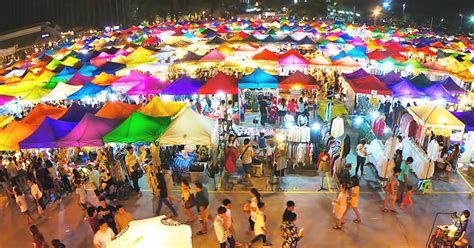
(183, 86)
(438, 92)
(406, 89)
(258, 79)
(451, 86)
(87, 70)
(66, 71)
(47, 134)
(88, 90)
(76, 112)
(339, 56)
(109, 68)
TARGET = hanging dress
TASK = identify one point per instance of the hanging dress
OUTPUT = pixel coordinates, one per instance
(231, 153)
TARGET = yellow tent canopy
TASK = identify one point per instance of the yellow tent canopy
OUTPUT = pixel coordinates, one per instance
(35, 95)
(435, 116)
(104, 79)
(70, 61)
(4, 120)
(154, 108)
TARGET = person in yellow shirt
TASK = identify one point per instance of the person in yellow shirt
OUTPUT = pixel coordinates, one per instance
(246, 155)
(132, 164)
(122, 218)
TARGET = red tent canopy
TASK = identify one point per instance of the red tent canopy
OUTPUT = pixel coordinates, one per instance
(298, 80)
(369, 85)
(292, 52)
(266, 55)
(220, 83)
(376, 55)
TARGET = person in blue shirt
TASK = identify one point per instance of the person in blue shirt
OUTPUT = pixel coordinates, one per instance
(403, 179)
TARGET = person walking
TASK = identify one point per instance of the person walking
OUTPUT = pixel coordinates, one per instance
(227, 204)
(189, 201)
(390, 189)
(246, 155)
(104, 235)
(122, 218)
(290, 208)
(340, 206)
(163, 192)
(37, 195)
(221, 228)
(361, 151)
(202, 204)
(38, 238)
(251, 207)
(354, 197)
(260, 230)
(169, 186)
(403, 179)
(263, 107)
(290, 233)
(23, 205)
(133, 166)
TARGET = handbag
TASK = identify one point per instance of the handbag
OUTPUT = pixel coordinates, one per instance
(246, 207)
(191, 202)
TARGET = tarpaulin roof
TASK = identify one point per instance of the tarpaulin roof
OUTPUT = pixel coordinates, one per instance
(130, 80)
(438, 92)
(421, 81)
(183, 86)
(451, 86)
(369, 85)
(138, 127)
(390, 78)
(220, 83)
(355, 75)
(6, 99)
(321, 60)
(88, 90)
(117, 110)
(213, 56)
(75, 112)
(60, 92)
(467, 118)
(36, 115)
(149, 85)
(88, 132)
(47, 134)
(406, 89)
(104, 79)
(266, 55)
(258, 79)
(5, 120)
(203, 130)
(299, 80)
(35, 95)
(12, 134)
(155, 108)
(435, 116)
(79, 79)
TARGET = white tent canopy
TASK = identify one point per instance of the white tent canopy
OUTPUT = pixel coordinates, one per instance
(154, 232)
(60, 92)
(191, 128)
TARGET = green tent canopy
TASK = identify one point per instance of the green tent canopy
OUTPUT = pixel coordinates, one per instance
(138, 127)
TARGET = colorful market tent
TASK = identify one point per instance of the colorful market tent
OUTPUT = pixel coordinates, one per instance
(266, 55)
(435, 116)
(390, 78)
(183, 86)
(104, 79)
(337, 109)
(451, 86)
(155, 108)
(298, 80)
(47, 134)
(148, 86)
(369, 85)
(292, 58)
(406, 89)
(258, 79)
(75, 112)
(35, 95)
(5, 120)
(138, 127)
(88, 132)
(220, 83)
(132, 79)
(467, 118)
(355, 75)
(12, 134)
(421, 81)
(203, 131)
(60, 92)
(6, 99)
(88, 90)
(438, 92)
(213, 56)
(79, 79)
(117, 110)
(35, 117)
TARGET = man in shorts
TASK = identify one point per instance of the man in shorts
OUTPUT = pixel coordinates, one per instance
(246, 155)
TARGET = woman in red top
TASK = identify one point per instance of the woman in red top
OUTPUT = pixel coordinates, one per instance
(292, 106)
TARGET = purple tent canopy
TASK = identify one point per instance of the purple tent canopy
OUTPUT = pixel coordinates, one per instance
(390, 78)
(406, 89)
(183, 86)
(355, 75)
(88, 132)
(148, 86)
(451, 86)
(76, 112)
(467, 118)
(437, 92)
(79, 79)
(132, 79)
(47, 134)
(6, 99)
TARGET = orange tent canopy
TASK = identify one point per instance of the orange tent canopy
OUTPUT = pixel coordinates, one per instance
(266, 55)
(299, 80)
(117, 110)
(14, 133)
(36, 116)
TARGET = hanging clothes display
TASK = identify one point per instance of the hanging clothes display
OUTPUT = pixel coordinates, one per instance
(422, 166)
(337, 127)
(433, 150)
(299, 134)
(327, 116)
(378, 126)
(412, 128)
(390, 146)
(346, 146)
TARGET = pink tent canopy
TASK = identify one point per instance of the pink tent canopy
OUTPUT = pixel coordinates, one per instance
(79, 79)
(132, 79)
(213, 56)
(292, 57)
(148, 86)
(6, 99)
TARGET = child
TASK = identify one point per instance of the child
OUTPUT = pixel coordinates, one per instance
(23, 205)
(407, 201)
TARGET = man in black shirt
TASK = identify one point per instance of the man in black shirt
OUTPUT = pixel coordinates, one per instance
(107, 212)
(263, 105)
(290, 208)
